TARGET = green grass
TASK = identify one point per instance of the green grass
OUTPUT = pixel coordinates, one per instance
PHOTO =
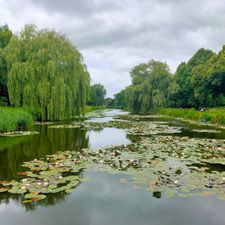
(14, 119)
(211, 115)
(90, 108)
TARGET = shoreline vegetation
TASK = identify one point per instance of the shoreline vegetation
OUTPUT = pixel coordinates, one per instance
(211, 116)
(14, 119)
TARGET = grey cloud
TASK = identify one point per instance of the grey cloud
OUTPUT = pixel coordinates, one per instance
(76, 7)
(116, 35)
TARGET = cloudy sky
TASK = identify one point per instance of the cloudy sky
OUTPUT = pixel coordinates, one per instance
(115, 35)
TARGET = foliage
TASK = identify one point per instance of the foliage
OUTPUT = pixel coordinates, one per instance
(120, 100)
(98, 94)
(182, 89)
(5, 35)
(47, 74)
(14, 119)
(90, 108)
(209, 81)
(212, 115)
(148, 91)
(109, 102)
(198, 83)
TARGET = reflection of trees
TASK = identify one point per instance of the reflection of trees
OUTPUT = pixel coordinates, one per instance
(49, 141)
(51, 199)
(157, 194)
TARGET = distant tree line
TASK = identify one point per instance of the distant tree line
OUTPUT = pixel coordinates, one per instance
(200, 82)
(42, 70)
(97, 95)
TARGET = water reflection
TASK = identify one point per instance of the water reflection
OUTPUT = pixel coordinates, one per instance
(104, 200)
(49, 141)
(14, 151)
(107, 137)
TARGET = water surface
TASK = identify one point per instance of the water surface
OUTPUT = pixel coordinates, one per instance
(106, 199)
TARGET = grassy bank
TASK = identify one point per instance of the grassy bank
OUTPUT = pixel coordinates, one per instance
(90, 108)
(14, 119)
(211, 115)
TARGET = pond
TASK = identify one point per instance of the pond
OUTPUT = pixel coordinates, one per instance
(108, 196)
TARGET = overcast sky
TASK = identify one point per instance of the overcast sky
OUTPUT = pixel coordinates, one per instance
(115, 35)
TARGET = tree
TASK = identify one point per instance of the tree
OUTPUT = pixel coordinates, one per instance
(209, 81)
(5, 35)
(120, 100)
(109, 102)
(150, 82)
(47, 74)
(181, 93)
(98, 93)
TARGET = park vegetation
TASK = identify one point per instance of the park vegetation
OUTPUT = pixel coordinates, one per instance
(42, 70)
(198, 83)
(97, 95)
(14, 119)
(211, 115)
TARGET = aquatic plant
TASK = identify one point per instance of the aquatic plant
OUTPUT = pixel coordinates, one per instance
(14, 119)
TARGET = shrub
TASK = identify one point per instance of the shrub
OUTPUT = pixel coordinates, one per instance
(14, 119)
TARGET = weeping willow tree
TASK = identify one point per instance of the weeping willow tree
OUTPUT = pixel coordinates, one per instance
(150, 82)
(47, 74)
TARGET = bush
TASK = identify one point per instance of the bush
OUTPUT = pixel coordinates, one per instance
(14, 119)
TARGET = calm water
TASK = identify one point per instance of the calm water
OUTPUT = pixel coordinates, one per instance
(104, 200)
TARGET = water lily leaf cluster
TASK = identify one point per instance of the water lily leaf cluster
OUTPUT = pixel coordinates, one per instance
(172, 165)
(53, 174)
(18, 133)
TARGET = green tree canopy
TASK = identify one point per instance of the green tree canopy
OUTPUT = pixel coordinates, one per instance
(5, 35)
(148, 91)
(98, 93)
(47, 74)
(209, 81)
(120, 100)
(182, 90)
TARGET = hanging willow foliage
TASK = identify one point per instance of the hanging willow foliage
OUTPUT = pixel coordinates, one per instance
(150, 82)
(47, 74)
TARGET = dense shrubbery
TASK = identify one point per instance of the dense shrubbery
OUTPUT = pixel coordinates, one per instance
(14, 119)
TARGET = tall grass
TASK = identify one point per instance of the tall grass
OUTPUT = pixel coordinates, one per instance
(212, 115)
(14, 119)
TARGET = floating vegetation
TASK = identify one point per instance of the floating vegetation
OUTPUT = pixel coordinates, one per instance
(66, 126)
(140, 128)
(140, 117)
(171, 165)
(206, 131)
(18, 133)
(55, 173)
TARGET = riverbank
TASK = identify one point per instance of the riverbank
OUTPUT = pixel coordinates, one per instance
(213, 116)
(90, 108)
(14, 119)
